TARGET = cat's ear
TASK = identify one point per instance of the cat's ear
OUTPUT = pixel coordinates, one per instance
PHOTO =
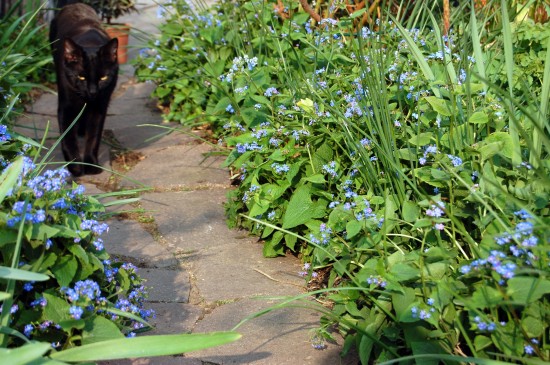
(110, 49)
(72, 53)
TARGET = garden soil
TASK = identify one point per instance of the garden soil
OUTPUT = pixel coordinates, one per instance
(202, 275)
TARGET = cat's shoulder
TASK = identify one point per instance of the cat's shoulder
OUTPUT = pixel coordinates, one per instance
(78, 11)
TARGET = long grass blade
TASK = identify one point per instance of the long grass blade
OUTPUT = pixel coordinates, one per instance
(509, 65)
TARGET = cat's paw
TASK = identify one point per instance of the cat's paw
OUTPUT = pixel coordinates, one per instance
(92, 166)
(76, 170)
(93, 170)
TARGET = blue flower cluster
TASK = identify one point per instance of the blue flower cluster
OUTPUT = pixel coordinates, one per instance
(240, 65)
(323, 237)
(428, 150)
(24, 210)
(280, 168)
(519, 244)
(484, 326)
(330, 169)
(4, 134)
(426, 312)
(376, 281)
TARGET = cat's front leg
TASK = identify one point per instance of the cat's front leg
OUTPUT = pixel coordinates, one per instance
(69, 144)
(94, 131)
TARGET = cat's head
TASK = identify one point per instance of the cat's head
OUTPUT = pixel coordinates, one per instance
(90, 70)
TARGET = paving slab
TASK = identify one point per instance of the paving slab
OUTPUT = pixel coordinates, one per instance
(173, 318)
(237, 270)
(181, 166)
(190, 220)
(279, 337)
(169, 286)
(129, 239)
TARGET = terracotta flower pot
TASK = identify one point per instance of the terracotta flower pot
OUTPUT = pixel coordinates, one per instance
(122, 32)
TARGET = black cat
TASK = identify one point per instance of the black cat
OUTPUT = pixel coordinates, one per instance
(86, 66)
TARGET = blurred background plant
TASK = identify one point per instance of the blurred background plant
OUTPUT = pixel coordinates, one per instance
(382, 143)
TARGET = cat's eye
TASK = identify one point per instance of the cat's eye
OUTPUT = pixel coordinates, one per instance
(81, 78)
(104, 78)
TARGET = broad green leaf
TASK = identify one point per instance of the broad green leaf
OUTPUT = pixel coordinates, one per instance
(316, 179)
(56, 310)
(403, 302)
(306, 105)
(99, 329)
(146, 346)
(411, 211)
(527, 289)
(481, 342)
(252, 117)
(353, 228)
(172, 28)
(439, 105)
(7, 236)
(478, 118)
(64, 270)
(421, 139)
(497, 142)
(301, 208)
(403, 272)
(39, 231)
(486, 297)
(533, 326)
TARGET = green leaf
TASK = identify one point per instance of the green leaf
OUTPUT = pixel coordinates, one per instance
(9, 177)
(527, 289)
(482, 342)
(7, 236)
(486, 297)
(41, 231)
(439, 105)
(420, 140)
(23, 275)
(497, 142)
(403, 272)
(172, 28)
(24, 354)
(316, 179)
(478, 118)
(252, 117)
(411, 211)
(146, 346)
(64, 270)
(301, 208)
(353, 228)
(99, 329)
(56, 310)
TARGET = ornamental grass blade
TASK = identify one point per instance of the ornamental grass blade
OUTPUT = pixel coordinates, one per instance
(476, 45)
(24, 354)
(509, 62)
(146, 346)
(23, 275)
(542, 128)
(9, 177)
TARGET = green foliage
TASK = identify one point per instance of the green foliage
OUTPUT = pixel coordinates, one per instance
(386, 156)
(25, 62)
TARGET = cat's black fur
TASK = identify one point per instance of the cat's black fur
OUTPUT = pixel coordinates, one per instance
(86, 66)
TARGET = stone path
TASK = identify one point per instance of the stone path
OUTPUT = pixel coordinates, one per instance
(202, 276)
